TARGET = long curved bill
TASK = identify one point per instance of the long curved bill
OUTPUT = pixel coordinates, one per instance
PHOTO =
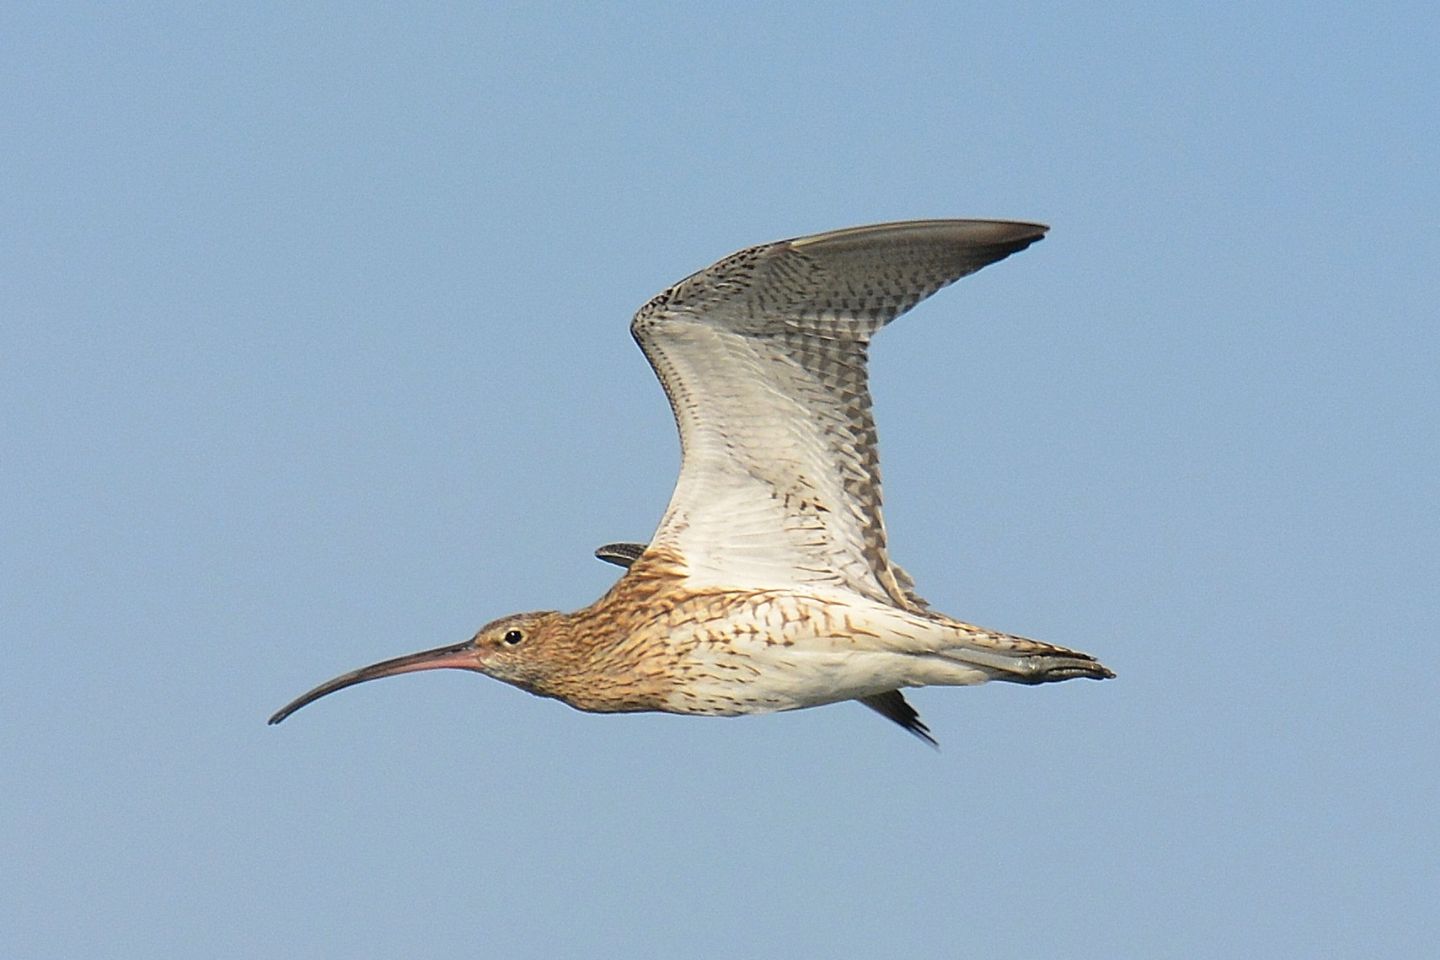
(460, 656)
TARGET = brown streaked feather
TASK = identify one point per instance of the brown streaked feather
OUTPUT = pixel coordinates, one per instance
(891, 705)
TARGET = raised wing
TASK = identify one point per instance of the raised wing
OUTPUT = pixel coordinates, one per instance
(763, 358)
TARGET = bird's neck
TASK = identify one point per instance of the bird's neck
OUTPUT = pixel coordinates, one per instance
(622, 661)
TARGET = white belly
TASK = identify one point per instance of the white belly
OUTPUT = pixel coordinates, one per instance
(803, 652)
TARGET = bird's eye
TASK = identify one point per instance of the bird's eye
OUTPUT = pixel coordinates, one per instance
(513, 637)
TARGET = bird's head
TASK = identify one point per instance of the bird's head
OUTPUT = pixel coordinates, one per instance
(523, 649)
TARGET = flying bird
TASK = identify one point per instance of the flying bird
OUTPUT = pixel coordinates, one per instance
(768, 584)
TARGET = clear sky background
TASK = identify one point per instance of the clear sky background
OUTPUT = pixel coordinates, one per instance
(313, 351)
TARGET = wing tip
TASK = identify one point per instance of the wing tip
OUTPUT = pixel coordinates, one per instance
(893, 706)
(620, 554)
(970, 232)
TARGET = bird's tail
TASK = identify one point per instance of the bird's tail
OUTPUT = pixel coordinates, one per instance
(1015, 659)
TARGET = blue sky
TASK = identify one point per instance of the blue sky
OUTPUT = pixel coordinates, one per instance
(313, 352)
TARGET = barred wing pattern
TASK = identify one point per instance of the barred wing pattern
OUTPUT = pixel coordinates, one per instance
(763, 357)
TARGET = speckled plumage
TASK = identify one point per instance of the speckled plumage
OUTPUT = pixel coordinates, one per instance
(768, 585)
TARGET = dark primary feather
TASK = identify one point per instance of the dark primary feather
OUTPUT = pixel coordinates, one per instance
(892, 705)
(620, 554)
